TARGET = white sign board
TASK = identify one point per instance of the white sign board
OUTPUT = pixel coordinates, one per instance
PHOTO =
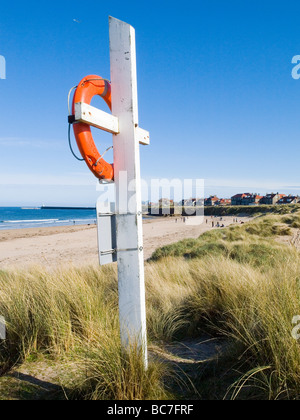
(106, 228)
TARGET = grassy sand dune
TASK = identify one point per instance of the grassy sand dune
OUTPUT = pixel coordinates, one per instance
(239, 284)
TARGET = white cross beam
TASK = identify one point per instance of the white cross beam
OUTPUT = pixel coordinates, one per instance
(96, 118)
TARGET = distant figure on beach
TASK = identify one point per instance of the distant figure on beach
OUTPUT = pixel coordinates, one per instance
(212, 224)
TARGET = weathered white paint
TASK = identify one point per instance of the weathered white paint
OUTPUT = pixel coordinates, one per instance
(106, 229)
(127, 159)
(143, 136)
(95, 117)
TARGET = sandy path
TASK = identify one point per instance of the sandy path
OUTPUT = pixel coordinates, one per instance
(291, 240)
(78, 244)
(296, 239)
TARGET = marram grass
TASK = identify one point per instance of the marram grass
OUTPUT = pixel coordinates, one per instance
(239, 283)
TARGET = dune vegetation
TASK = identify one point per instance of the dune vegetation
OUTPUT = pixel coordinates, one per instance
(240, 285)
(223, 210)
(253, 210)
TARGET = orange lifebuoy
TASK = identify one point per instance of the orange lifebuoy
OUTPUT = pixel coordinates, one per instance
(89, 87)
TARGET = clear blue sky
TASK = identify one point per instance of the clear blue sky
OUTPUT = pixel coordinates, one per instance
(215, 92)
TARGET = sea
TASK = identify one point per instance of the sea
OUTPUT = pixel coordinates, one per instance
(36, 217)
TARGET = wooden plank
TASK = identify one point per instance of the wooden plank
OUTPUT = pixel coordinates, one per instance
(143, 136)
(95, 117)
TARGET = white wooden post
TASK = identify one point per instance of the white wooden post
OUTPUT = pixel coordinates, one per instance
(127, 136)
(128, 185)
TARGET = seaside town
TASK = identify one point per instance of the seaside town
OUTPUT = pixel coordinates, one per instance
(243, 199)
(250, 199)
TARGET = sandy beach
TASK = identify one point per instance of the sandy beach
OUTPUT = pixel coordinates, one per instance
(77, 245)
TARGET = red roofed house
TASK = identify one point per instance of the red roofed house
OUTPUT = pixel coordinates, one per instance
(224, 202)
(246, 199)
(238, 199)
(253, 199)
(271, 199)
(290, 199)
(211, 201)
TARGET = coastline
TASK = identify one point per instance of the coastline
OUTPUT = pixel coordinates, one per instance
(77, 245)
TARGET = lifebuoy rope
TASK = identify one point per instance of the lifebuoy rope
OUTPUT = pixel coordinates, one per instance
(69, 95)
(70, 145)
(101, 157)
(75, 87)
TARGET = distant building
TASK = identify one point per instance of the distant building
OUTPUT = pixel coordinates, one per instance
(246, 199)
(290, 199)
(193, 202)
(253, 199)
(224, 202)
(237, 199)
(272, 198)
(211, 201)
(165, 202)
